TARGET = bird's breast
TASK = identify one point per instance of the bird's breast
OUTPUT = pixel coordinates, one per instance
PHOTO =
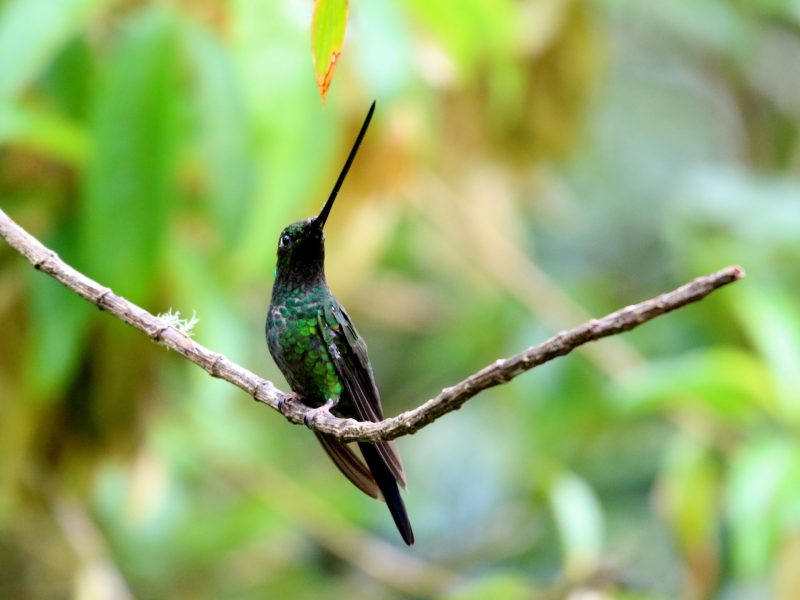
(298, 347)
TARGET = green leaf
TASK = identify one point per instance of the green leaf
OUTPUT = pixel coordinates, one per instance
(31, 32)
(477, 30)
(41, 129)
(131, 175)
(732, 383)
(770, 315)
(327, 37)
(227, 167)
(689, 488)
(757, 502)
(68, 83)
(579, 518)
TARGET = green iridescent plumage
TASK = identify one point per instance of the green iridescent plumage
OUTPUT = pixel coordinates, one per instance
(324, 360)
(294, 328)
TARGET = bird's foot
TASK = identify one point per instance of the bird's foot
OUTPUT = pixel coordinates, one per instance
(290, 397)
(313, 413)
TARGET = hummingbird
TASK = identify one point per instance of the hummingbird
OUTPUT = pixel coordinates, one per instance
(317, 348)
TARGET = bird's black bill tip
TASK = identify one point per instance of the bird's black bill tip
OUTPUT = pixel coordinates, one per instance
(323, 214)
(408, 536)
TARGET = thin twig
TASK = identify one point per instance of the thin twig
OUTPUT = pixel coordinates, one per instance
(450, 399)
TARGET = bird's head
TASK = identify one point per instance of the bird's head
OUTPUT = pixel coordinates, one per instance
(301, 245)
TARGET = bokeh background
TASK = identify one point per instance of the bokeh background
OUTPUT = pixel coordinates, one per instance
(531, 164)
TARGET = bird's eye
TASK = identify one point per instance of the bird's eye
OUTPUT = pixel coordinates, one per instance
(285, 241)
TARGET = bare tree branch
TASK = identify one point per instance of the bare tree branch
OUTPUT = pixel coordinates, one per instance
(452, 398)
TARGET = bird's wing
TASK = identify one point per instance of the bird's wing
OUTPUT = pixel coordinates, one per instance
(349, 355)
(349, 464)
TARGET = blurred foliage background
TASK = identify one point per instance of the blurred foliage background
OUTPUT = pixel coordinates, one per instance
(531, 163)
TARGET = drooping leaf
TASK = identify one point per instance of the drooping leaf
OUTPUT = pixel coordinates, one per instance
(327, 37)
(131, 174)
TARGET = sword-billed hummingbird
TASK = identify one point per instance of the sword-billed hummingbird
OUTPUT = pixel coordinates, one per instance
(324, 360)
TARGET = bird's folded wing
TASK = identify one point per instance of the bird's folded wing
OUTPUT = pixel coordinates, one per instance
(349, 355)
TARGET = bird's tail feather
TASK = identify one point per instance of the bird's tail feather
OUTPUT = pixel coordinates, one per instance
(388, 486)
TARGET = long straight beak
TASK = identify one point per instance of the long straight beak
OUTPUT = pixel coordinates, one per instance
(323, 214)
